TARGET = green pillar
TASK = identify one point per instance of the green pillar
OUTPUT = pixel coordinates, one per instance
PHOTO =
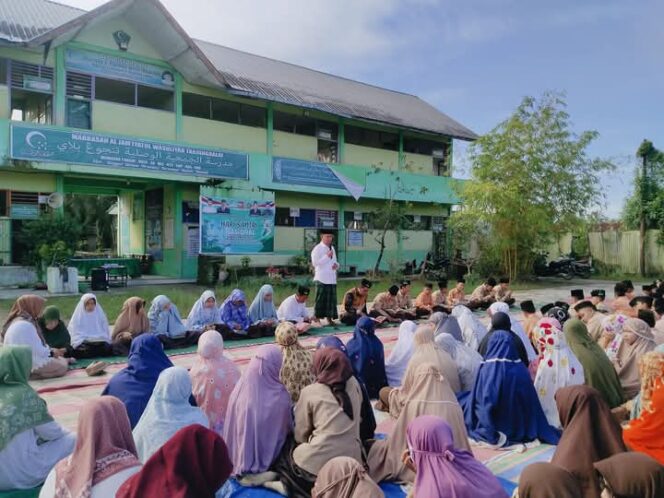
(341, 242)
(60, 87)
(341, 143)
(270, 129)
(402, 158)
(177, 231)
(450, 155)
(60, 189)
(178, 106)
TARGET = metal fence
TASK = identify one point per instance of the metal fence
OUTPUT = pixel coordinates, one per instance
(620, 250)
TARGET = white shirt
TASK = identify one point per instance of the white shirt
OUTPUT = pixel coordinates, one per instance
(105, 489)
(323, 264)
(24, 333)
(292, 310)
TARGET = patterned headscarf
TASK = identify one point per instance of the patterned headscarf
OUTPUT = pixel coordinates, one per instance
(296, 369)
(235, 314)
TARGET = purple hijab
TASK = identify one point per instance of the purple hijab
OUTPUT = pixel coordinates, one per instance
(258, 417)
(443, 470)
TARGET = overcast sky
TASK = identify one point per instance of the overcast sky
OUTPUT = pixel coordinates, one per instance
(472, 59)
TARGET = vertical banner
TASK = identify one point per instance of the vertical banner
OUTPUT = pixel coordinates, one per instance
(232, 225)
(154, 211)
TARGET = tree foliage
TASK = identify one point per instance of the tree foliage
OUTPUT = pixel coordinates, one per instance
(648, 192)
(90, 212)
(532, 179)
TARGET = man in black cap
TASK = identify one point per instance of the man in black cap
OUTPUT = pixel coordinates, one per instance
(482, 296)
(502, 291)
(629, 289)
(424, 304)
(294, 309)
(324, 261)
(588, 314)
(597, 297)
(405, 306)
(439, 298)
(640, 303)
(385, 305)
(530, 317)
(355, 302)
(544, 309)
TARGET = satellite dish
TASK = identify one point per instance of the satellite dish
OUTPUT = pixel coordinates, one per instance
(55, 200)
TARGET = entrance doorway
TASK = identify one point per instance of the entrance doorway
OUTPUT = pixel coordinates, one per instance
(96, 215)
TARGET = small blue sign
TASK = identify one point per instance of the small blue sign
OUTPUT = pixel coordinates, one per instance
(307, 173)
(43, 144)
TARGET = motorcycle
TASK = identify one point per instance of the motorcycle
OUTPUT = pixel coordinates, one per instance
(561, 267)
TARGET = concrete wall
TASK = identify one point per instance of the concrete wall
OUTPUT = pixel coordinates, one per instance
(418, 163)
(358, 154)
(132, 121)
(224, 135)
(14, 276)
(293, 145)
(101, 35)
(5, 107)
(27, 182)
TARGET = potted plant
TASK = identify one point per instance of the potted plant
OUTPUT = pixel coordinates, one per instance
(59, 277)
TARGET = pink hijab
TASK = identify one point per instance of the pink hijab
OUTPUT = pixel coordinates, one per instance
(442, 469)
(213, 378)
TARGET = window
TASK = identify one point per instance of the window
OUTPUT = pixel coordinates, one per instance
(292, 123)
(423, 146)
(253, 116)
(308, 218)
(327, 151)
(371, 138)
(154, 98)
(197, 106)
(282, 217)
(3, 71)
(120, 92)
(200, 106)
(4, 202)
(31, 92)
(78, 114)
(418, 222)
(32, 107)
(356, 220)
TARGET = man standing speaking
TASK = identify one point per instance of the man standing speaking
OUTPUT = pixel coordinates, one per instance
(324, 260)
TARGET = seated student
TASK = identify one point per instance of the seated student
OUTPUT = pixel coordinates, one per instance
(425, 391)
(640, 303)
(235, 321)
(134, 384)
(621, 302)
(367, 356)
(441, 469)
(597, 297)
(472, 329)
(467, 360)
(502, 292)
(557, 368)
(631, 474)
(167, 412)
(503, 408)
(594, 320)
(31, 443)
(517, 328)
(396, 363)
(482, 297)
(629, 289)
(424, 301)
(648, 290)
(658, 330)
(166, 324)
(22, 329)
(251, 447)
(193, 463)
(355, 303)
(405, 308)
(637, 341)
(295, 372)
(457, 295)
(294, 309)
(89, 330)
(263, 313)
(55, 331)
(502, 321)
(590, 434)
(104, 457)
(546, 480)
(213, 378)
(442, 322)
(368, 424)
(345, 477)
(385, 306)
(439, 298)
(327, 424)
(204, 313)
(576, 296)
(530, 318)
(131, 322)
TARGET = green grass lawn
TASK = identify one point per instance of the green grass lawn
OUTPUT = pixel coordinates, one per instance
(184, 295)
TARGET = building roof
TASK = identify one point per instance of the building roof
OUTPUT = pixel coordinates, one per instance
(36, 22)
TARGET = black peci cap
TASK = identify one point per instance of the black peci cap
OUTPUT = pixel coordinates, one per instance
(366, 283)
(504, 280)
(584, 304)
(598, 293)
(393, 290)
(577, 293)
(491, 281)
(528, 306)
(303, 290)
(546, 308)
(442, 284)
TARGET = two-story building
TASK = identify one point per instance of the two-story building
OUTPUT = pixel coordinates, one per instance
(121, 101)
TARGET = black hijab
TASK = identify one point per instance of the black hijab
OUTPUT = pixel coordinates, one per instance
(502, 321)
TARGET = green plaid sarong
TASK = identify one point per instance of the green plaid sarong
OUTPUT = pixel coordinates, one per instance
(326, 301)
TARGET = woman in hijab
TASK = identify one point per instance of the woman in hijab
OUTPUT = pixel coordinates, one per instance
(546, 480)
(503, 408)
(251, 447)
(368, 424)
(167, 412)
(467, 360)
(204, 314)
(472, 329)
(234, 316)
(443, 322)
(425, 391)
(396, 363)
(558, 367)
(501, 322)
(31, 443)
(22, 329)
(630, 475)
(263, 313)
(193, 463)
(55, 331)
(131, 322)
(443, 470)
(590, 434)
(89, 330)
(345, 477)
(295, 371)
(327, 423)
(367, 356)
(651, 366)
(104, 457)
(597, 369)
(213, 377)
(637, 341)
(166, 324)
(134, 384)
(646, 433)
(514, 327)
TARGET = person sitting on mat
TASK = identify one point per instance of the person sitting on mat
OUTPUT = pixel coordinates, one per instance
(482, 297)
(424, 302)
(385, 306)
(131, 322)
(166, 324)
(405, 306)
(439, 298)
(294, 309)
(234, 317)
(89, 329)
(55, 331)
(502, 291)
(355, 303)
(204, 313)
(263, 313)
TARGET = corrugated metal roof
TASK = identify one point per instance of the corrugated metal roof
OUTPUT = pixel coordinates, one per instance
(271, 79)
(22, 20)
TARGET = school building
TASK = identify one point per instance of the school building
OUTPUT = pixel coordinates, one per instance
(121, 101)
